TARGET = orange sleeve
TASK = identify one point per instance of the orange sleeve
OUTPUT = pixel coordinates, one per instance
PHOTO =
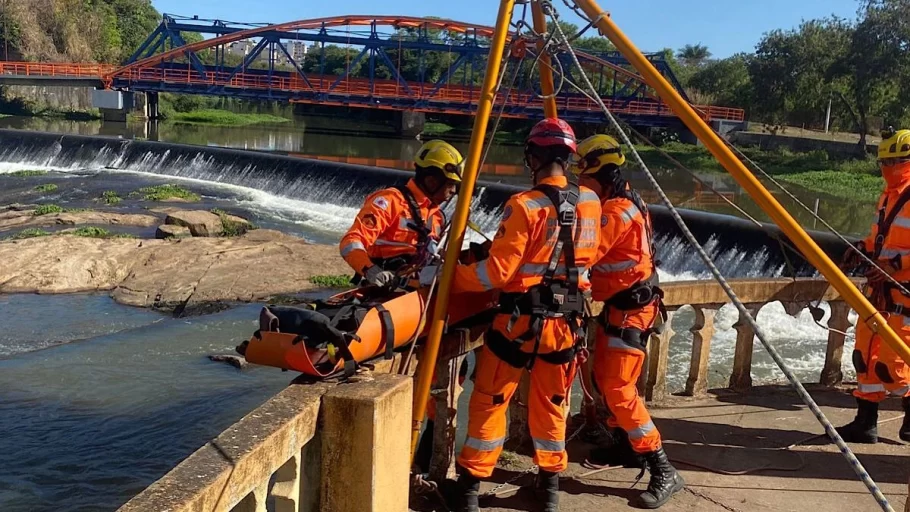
(615, 221)
(506, 253)
(374, 217)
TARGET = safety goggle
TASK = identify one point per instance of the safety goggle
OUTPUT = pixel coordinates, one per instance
(890, 162)
(592, 159)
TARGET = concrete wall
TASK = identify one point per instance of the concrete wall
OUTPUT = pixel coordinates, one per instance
(325, 446)
(66, 99)
(798, 144)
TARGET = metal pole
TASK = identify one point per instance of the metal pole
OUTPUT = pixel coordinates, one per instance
(815, 218)
(460, 219)
(545, 68)
(746, 179)
(828, 115)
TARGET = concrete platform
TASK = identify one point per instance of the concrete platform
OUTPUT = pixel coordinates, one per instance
(733, 452)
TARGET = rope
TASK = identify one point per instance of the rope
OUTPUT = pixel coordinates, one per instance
(743, 311)
(825, 223)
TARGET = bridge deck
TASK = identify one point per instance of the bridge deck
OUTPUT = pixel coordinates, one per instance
(734, 432)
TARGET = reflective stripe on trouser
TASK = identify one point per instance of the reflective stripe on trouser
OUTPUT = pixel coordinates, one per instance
(879, 370)
(617, 368)
(495, 383)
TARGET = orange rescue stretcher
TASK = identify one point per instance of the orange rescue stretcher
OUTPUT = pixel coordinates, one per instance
(353, 327)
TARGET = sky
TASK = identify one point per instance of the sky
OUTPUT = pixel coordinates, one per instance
(724, 26)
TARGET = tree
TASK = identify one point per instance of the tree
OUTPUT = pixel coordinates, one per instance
(727, 81)
(794, 73)
(878, 62)
(693, 54)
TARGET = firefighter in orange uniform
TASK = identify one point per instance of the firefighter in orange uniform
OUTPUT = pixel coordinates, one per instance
(546, 241)
(880, 371)
(395, 224)
(625, 279)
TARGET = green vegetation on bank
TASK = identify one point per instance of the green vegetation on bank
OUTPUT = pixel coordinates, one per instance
(96, 232)
(28, 233)
(48, 209)
(110, 198)
(224, 118)
(164, 193)
(231, 227)
(47, 187)
(27, 174)
(340, 281)
(856, 179)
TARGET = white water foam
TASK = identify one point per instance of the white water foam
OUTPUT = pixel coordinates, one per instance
(800, 340)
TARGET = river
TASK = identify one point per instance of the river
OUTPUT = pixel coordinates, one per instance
(98, 400)
(313, 137)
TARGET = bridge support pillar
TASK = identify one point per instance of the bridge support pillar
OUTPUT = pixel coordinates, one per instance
(151, 106)
(409, 124)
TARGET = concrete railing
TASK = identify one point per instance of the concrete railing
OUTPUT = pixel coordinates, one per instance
(706, 297)
(316, 447)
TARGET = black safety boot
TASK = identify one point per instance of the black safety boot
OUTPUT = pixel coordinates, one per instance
(864, 428)
(905, 428)
(665, 480)
(616, 451)
(546, 487)
(468, 488)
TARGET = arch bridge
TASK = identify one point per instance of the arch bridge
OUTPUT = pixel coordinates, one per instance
(396, 63)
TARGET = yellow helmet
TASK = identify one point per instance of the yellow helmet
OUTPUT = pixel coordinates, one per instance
(443, 156)
(595, 152)
(896, 144)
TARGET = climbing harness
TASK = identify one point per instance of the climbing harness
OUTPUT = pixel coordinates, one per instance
(743, 311)
(551, 298)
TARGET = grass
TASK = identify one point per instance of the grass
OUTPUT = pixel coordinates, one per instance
(451, 133)
(431, 128)
(26, 174)
(848, 178)
(47, 209)
(230, 227)
(855, 186)
(340, 281)
(165, 192)
(28, 233)
(96, 232)
(224, 118)
(110, 197)
(47, 187)
(508, 459)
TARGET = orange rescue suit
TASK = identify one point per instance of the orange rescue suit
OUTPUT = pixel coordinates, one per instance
(625, 257)
(383, 228)
(879, 370)
(518, 259)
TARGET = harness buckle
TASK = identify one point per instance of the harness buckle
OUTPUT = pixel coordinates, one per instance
(559, 298)
(567, 217)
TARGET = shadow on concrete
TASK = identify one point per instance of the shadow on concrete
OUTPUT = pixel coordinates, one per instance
(734, 450)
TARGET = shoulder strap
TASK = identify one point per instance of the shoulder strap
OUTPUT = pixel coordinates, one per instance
(884, 223)
(565, 202)
(415, 209)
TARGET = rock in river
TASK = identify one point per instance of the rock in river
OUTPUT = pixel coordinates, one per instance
(199, 222)
(168, 274)
(166, 231)
(17, 219)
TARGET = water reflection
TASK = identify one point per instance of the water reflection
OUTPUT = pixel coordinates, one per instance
(310, 137)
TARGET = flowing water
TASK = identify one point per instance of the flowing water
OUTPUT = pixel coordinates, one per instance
(98, 400)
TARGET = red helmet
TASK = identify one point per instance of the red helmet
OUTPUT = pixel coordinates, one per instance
(553, 131)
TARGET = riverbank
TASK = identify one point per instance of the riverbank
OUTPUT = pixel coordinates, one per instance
(817, 171)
